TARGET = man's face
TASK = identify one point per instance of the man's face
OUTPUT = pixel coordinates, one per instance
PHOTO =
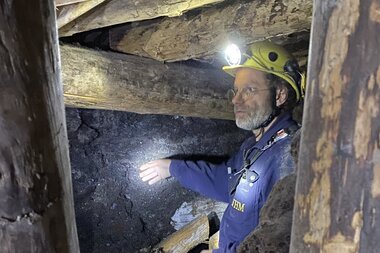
(252, 102)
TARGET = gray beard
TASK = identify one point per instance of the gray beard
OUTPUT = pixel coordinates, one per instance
(254, 120)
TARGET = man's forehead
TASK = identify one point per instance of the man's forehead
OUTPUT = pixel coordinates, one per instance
(249, 76)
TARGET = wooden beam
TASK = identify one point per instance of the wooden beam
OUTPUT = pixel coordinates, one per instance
(337, 204)
(213, 242)
(36, 203)
(207, 33)
(67, 2)
(186, 238)
(68, 13)
(121, 11)
(105, 80)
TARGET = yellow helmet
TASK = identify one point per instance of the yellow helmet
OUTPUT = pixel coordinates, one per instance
(271, 58)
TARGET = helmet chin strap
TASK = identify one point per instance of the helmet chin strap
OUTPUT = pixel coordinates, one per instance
(275, 111)
(267, 121)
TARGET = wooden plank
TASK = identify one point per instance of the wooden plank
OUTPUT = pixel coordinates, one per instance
(68, 13)
(36, 199)
(337, 205)
(67, 2)
(122, 11)
(186, 238)
(105, 80)
(214, 241)
(207, 33)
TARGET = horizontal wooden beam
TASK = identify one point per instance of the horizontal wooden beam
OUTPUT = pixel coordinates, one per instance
(106, 80)
(68, 13)
(207, 33)
(121, 11)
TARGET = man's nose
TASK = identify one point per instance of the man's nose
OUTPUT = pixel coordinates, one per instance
(237, 99)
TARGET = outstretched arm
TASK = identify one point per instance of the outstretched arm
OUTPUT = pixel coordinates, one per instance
(208, 179)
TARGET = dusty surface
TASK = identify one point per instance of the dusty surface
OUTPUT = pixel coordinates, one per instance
(115, 211)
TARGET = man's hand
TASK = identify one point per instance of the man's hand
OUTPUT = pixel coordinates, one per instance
(155, 171)
(206, 251)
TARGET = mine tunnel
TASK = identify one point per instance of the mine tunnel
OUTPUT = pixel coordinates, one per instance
(115, 210)
(94, 90)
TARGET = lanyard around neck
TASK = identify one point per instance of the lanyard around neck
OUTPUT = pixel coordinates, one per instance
(247, 162)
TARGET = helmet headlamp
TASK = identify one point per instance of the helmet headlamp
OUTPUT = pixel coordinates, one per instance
(233, 55)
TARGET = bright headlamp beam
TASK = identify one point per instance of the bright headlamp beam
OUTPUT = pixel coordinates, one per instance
(233, 55)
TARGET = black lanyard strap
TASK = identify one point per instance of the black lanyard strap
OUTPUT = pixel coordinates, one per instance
(279, 135)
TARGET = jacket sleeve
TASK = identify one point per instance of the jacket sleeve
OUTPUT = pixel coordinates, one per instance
(206, 178)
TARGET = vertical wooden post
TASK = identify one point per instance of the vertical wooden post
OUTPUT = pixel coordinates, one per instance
(36, 200)
(337, 205)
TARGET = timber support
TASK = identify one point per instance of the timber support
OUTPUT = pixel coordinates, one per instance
(106, 80)
(36, 200)
(337, 204)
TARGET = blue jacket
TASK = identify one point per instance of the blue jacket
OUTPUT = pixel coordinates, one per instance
(218, 181)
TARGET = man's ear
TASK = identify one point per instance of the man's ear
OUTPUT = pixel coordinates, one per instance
(281, 95)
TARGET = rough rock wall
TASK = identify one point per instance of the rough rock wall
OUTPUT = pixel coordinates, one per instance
(115, 210)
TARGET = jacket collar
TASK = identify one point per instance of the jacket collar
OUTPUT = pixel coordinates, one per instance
(284, 120)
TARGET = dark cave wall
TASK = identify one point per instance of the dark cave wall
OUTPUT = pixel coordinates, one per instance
(115, 210)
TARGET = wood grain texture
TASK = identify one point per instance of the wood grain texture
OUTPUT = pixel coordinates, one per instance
(186, 238)
(122, 11)
(68, 13)
(207, 32)
(105, 80)
(337, 205)
(36, 200)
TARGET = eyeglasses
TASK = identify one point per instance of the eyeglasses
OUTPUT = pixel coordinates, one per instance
(246, 93)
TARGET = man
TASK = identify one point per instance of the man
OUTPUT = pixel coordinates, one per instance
(266, 88)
